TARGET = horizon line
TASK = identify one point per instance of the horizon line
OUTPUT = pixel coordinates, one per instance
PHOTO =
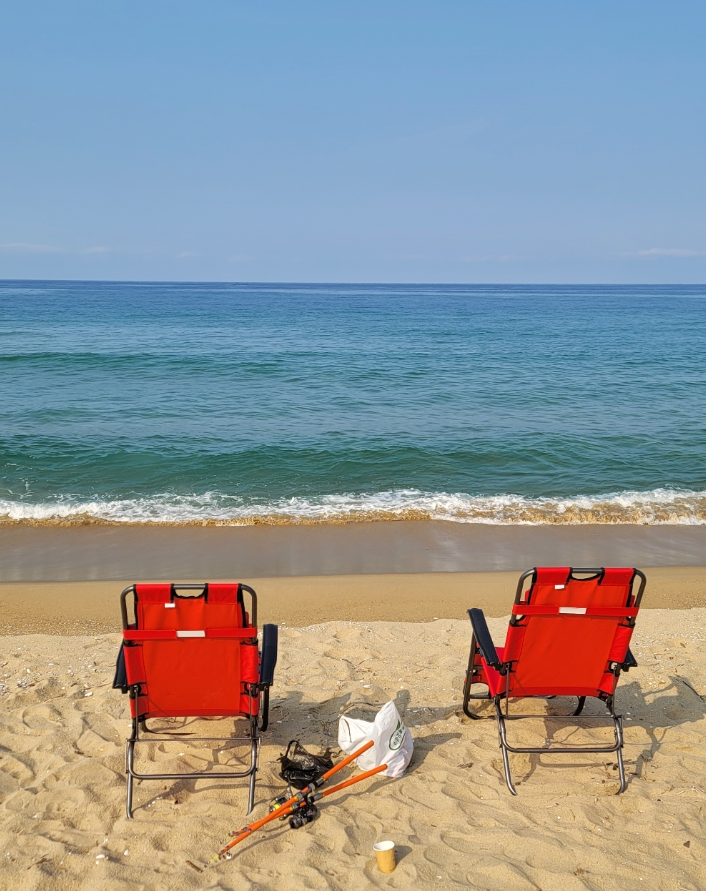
(323, 283)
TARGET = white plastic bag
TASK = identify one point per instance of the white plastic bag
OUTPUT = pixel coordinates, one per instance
(393, 743)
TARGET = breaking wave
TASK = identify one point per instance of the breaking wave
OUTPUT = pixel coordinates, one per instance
(655, 507)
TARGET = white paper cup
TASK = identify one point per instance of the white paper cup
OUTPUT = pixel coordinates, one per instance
(385, 855)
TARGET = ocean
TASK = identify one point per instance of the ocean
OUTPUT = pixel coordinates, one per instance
(290, 403)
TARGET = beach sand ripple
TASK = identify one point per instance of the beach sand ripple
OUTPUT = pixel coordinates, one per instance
(62, 787)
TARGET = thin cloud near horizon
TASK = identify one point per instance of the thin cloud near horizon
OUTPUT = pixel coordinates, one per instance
(668, 252)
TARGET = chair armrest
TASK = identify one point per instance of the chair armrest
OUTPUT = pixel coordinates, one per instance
(269, 655)
(483, 638)
(120, 678)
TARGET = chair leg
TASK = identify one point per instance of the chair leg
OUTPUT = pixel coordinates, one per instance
(251, 773)
(251, 793)
(129, 796)
(253, 763)
(618, 722)
(503, 747)
(579, 707)
(129, 765)
(619, 754)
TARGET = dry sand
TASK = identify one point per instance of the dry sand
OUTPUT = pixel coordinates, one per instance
(93, 607)
(62, 821)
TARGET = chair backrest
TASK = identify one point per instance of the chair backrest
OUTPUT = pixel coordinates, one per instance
(568, 628)
(191, 655)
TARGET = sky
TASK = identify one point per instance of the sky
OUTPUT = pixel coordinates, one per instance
(453, 141)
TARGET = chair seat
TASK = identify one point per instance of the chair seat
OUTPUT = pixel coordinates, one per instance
(497, 684)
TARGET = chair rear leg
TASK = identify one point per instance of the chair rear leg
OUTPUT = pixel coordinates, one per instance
(253, 763)
(503, 747)
(618, 726)
(621, 772)
(129, 796)
(579, 707)
(619, 753)
(506, 765)
(251, 793)
(129, 765)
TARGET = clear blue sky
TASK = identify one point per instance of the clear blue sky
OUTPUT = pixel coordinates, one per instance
(382, 141)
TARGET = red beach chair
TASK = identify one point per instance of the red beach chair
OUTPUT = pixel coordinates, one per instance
(569, 635)
(191, 651)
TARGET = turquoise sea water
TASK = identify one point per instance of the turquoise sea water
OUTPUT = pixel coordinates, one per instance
(234, 402)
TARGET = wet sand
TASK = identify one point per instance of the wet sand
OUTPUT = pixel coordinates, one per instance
(102, 553)
(93, 607)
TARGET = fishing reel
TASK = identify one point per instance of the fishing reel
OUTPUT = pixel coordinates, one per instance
(302, 813)
(278, 802)
(306, 812)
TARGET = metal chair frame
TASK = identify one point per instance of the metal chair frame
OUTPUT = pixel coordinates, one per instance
(502, 718)
(138, 723)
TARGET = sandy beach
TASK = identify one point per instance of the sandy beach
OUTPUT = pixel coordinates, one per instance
(92, 607)
(62, 822)
(371, 308)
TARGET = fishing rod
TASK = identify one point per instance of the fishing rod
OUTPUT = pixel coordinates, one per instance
(305, 811)
(350, 782)
(300, 797)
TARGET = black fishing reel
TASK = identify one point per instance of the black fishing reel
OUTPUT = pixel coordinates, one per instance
(306, 812)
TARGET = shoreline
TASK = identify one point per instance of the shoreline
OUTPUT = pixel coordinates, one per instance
(76, 608)
(102, 553)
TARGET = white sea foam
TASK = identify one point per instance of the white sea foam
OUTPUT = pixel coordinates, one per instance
(657, 506)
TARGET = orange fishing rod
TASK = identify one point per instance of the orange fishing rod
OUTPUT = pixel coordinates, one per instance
(248, 830)
(285, 810)
(350, 782)
(300, 810)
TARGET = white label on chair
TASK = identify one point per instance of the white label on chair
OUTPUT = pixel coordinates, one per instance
(170, 605)
(559, 587)
(574, 610)
(200, 633)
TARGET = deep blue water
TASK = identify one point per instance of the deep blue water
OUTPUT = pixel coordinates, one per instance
(139, 401)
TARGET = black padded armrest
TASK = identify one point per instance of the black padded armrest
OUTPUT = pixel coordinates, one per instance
(630, 661)
(120, 679)
(269, 655)
(483, 638)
